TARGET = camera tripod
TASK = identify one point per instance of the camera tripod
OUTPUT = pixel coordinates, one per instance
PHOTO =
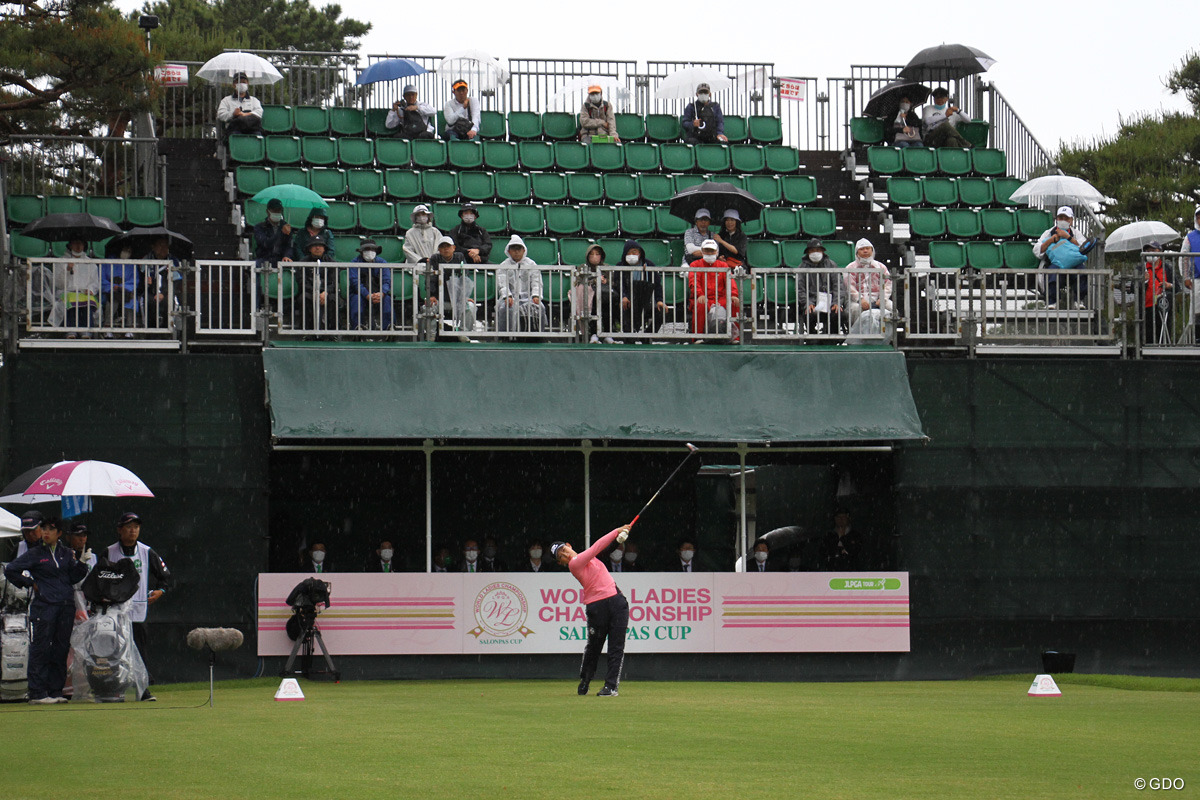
(304, 647)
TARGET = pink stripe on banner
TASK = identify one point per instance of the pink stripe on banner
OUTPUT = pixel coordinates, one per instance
(368, 627)
(815, 625)
(367, 601)
(825, 601)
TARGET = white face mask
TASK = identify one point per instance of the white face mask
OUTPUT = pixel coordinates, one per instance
(77, 253)
(368, 255)
(686, 555)
(318, 222)
(594, 97)
(760, 556)
(242, 88)
(632, 259)
(318, 556)
(630, 558)
(904, 107)
(275, 218)
(703, 97)
(710, 258)
(471, 555)
(468, 218)
(1062, 226)
(864, 260)
(386, 553)
(816, 257)
(421, 219)
(126, 253)
(535, 553)
(616, 555)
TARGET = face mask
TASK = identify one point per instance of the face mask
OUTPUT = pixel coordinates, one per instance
(535, 553)
(710, 258)
(275, 218)
(702, 97)
(760, 556)
(422, 219)
(242, 87)
(318, 556)
(816, 258)
(368, 255)
(616, 555)
(318, 222)
(632, 260)
(686, 555)
(126, 253)
(77, 253)
(940, 106)
(468, 218)
(471, 555)
(1062, 226)
(863, 260)
(905, 107)
(489, 552)
(630, 558)
(594, 98)
(386, 553)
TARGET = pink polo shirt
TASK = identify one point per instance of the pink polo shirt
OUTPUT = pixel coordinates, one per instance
(596, 579)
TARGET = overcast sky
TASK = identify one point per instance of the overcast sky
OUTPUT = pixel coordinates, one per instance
(1070, 71)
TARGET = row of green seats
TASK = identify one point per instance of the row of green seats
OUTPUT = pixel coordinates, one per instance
(22, 246)
(502, 156)
(580, 187)
(971, 223)
(872, 130)
(135, 211)
(982, 255)
(974, 192)
(942, 160)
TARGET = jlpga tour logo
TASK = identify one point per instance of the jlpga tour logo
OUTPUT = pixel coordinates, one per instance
(500, 612)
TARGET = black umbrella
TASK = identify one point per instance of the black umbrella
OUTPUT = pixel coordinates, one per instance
(716, 197)
(141, 239)
(12, 492)
(885, 103)
(947, 62)
(69, 227)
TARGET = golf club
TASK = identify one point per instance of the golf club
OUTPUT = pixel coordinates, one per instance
(692, 450)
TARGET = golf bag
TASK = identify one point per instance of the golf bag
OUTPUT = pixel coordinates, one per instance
(107, 662)
(14, 641)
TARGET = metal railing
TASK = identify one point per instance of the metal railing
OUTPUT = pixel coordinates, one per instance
(1026, 156)
(225, 298)
(823, 306)
(82, 166)
(88, 298)
(658, 304)
(1160, 296)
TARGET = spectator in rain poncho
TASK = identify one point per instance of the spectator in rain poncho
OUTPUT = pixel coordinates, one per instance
(421, 239)
(77, 286)
(519, 291)
(868, 291)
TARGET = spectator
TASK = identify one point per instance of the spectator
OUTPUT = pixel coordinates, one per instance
(596, 118)
(149, 565)
(1160, 281)
(761, 558)
(317, 558)
(907, 125)
(470, 562)
(939, 120)
(713, 295)
(161, 276)
(868, 291)
(631, 557)
(77, 285)
(314, 285)
(370, 290)
(240, 112)
(703, 121)
(616, 558)
(272, 237)
(459, 285)
(842, 547)
(731, 239)
(1189, 268)
(583, 295)
(694, 236)
(519, 291)
(443, 561)
(461, 113)
(383, 561)
(410, 119)
(536, 563)
(687, 555)
(472, 241)
(421, 239)
(491, 561)
(316, 226)
(823, 294)
(119, 290)
(1058, 248)
(641, 290)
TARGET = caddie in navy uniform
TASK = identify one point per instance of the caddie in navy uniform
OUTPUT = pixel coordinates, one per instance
(148, 564)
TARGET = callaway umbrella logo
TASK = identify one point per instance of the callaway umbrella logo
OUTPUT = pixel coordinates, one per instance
(126, 484)
(501, 610)
(50, 483)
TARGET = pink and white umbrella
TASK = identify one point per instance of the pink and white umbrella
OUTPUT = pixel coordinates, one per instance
(84, 478)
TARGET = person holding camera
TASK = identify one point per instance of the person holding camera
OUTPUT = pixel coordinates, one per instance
(240, 112)
(410, 119)
(461, 113)
(939, 120)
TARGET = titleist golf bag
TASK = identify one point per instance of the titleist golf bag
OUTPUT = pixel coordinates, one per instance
(107, 662)
(14, 640)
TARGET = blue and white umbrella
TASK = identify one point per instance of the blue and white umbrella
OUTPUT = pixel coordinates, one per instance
(390, 70)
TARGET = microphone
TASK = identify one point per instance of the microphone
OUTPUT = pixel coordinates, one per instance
(215, 639)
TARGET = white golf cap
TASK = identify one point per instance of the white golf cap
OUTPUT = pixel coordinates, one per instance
(1065, 211)
(445, 240)
(708, 244)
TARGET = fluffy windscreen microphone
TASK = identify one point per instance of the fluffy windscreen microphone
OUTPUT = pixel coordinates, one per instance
(216, 639)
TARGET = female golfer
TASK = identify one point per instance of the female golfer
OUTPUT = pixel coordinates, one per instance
(607, 609)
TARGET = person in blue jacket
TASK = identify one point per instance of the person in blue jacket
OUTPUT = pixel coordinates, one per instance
(52, 570)
(370, 290)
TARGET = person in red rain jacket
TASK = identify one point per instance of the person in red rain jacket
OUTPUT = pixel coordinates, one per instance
(712, 310)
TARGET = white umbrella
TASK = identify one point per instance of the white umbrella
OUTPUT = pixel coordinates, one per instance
(481, 72)
(1137, 235)
(1059, 188)
(223, 68)
(572, 94)
(10, 524)
(86, 478)
(681, 84)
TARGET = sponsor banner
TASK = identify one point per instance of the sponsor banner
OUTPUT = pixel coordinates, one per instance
(792, 90)
(171, 75)
(514, 612)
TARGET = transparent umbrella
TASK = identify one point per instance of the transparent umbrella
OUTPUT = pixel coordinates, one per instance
(572, 94)
(224, 67)
(481, 72)
(1137, 235)
(1057, 189)
(681, 84)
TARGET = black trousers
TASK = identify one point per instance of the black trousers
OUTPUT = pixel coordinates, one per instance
(51, 643)
(606, 619)
(139, 640)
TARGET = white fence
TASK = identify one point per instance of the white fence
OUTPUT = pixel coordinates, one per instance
(88, 298)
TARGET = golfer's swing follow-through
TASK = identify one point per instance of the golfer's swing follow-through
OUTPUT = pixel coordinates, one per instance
(607, 608)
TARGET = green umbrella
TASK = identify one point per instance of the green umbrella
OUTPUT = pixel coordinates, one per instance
(291, 195)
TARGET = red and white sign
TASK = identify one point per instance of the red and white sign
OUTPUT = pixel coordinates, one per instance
(171, 75)
(515, 612)
(790, 89)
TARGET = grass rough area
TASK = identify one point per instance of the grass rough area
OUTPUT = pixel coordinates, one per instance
(537, 739)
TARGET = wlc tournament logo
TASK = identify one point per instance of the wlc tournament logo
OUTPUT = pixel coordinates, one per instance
(500, 611)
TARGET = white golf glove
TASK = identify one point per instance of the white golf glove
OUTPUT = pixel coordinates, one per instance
(622, 536)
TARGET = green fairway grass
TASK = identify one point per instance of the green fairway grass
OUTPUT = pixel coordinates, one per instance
(538, 739)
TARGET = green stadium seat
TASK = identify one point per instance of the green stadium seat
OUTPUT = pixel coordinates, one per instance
(963, 223)
(559, 125)
(919, 160)
(677, 157)
(818, 222)
(543, 251)
(675, 288)
(317, 150)
(404, 283)
(500, 156)
(402, 184)
(655, 189)
(525, 219)
(667, 224)
(343, 215)
(296, 217)
(485, 284)
(492, 218)
(549, 187)
(524, 125)
(765, 187)
(641, 157)
(298, 176)
(563, 220)
(437, 184)
(364, 183)
(570, 156)
(752, 228)
(607, 157)
(491, 125)
(330, 181)
(27, 246)
(1033, 222)
(598, 220)
(636, 220)
(763, 254)
(926, 223)
(939, 192)
(985, 255)
(1019, 255)
(782, 159)
(393, 253)
(1003, 188)
(792, 252)
(393, 152)
(143, 212)
(25, 208)
(947, 255)
(404, 212)
(476, 186)
(712, 158)
(675, 256)
(799, 189)
(999, 223)
(975, 192)
(445, 216)
(736, 129)
(783, 223)
(657, 251)
(276, 119)
(765, 130)
(885, 160)
(245, 149)
(355, 151)
(536, 156)
(975, 131)
(839, 252)
(111, 207)
(513, 187)
(612, 247)
(254, 213)
(347, 121)
(248, 180)
(428, 153)
(868, 130)
(747, 158)
(631, 128)
(663, 128)
(377, 122)
(987, 161)
(310, 120)
(573, 249)
(621, 188)
(952, 160)
(585, 187)
(905, 191)
(465, 155)
(681, 182)
(376, 216)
